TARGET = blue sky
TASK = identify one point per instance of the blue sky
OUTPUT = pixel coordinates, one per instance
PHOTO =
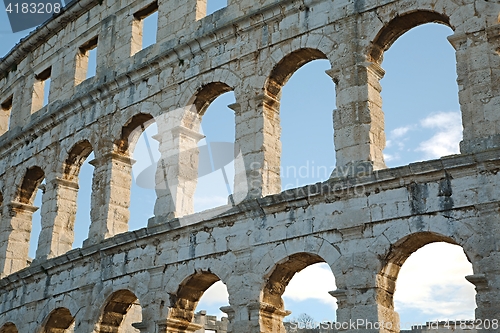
(422, 122)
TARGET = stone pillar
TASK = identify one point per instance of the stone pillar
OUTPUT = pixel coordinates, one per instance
(85, 316)
(358, 121)
(15, 236)
(59, 80)
(258, 133)
(486, 263)
(478, 67)
(230, 318)
(20, 112)
(177, 171)
(255, 317)
(153, 303)
(111, 184)
(175, 16)
(109, 41)
(487, 295)
(363, 306)
(58, 219)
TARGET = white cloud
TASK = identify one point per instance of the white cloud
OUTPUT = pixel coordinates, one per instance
(396, 139)
(314, 282)
(433, 282)
(213, 299)
(448, 135)
(400, 132)
(217, 293)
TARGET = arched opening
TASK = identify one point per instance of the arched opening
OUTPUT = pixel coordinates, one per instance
(31, 181)
(307, 297)
(131, 132)
(210, 304)
(8, 328)
(303, 95)
(217, 149)
(185, 301)
(300, 283)
(142, 192)
(119, 314)
(424, 281)
(307, 102)
(282, 72)
(420, 92)
(30, 193)
(36, 221)
(78, 172)
(59, 321)
(398, 26)
(137, 141)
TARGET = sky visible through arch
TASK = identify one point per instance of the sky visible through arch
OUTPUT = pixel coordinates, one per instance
(422, 122)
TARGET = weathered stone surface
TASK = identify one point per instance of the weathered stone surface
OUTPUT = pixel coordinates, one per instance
(364, 222)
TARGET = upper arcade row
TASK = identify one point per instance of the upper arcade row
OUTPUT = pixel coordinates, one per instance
(57, 53)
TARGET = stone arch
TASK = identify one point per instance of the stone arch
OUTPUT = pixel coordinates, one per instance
(75, 158)
(286, 67)
(282, 273)
(179, 137)
(184, 301)
(8, 328)
(397, 255)
(396, 27)
(206, 94)
(131, 131)
(319, 247)
(114, 311)
(58, 321)
(31, 180)
(320, 43)
(195, 102)
(207, 85)
(275, 282)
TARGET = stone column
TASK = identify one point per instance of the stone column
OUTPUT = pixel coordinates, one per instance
(110, 201)
(358, 121)
(258, 133)
(478, 65)
(58, 219)
(177, 171)
(486, 263)
(15, 236)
